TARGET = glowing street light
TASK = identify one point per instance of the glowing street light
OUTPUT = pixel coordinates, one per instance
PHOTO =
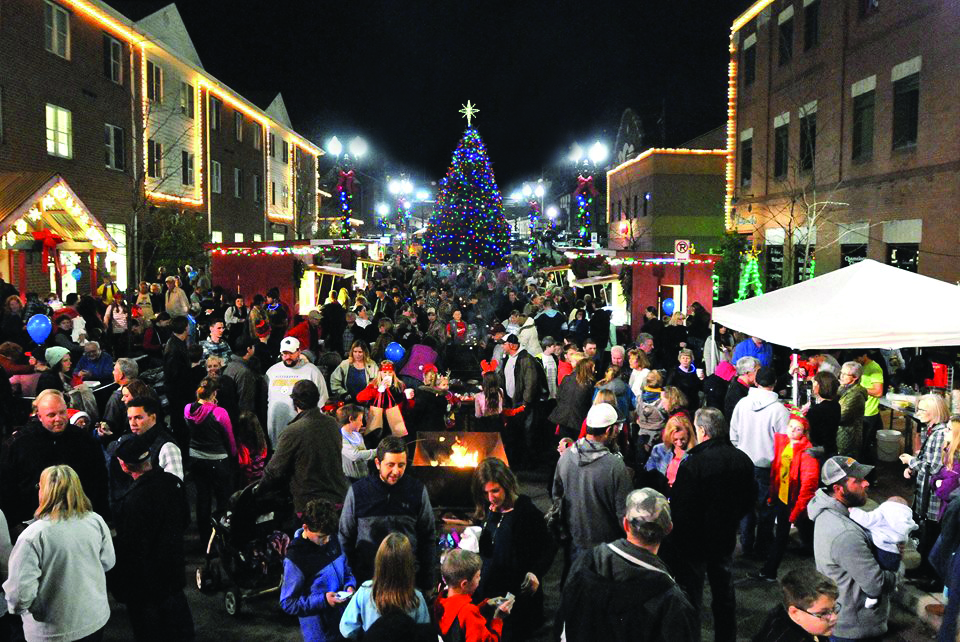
(576, 153)
(334, 146)
(423, 195)
(358, 147)
(552, 212)
(598, 153)
(383, 209)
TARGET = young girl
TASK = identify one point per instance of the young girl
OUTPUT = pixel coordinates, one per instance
(353, 453)
(251, 447)
(489, 401)
(652, 387)
(390, 591)
(386, 394)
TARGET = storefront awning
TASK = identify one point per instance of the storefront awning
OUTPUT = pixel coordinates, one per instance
(332, 271)
(36, 203)
(595, 280)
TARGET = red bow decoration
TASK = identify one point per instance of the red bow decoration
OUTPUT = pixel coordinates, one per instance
(345, 182)
(50, 242)
(585, 185)
(488, 366)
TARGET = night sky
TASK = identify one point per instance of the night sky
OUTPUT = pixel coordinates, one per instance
(543, 74)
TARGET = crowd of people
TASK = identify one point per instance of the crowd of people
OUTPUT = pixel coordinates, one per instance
(672, 452)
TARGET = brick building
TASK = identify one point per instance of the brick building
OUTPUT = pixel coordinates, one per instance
(843, 118)
(663, 195)
(124, 116)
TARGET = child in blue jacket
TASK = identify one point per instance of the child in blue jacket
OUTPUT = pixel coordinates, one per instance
(314, 571)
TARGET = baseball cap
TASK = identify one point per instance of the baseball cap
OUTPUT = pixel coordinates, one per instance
(838, 468)
(132, 449)
(602, 415)
(289, 344)
(511, 338)
(647, 505)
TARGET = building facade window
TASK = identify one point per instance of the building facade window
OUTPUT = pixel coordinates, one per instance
(154, 159)
(904, 256)
(811, 24)
(59, 131)
(214, 113)
(906, 111)
(272, 145)
(216, 177)
(808, 136)
(257, 136)
(186, 99)
(257, 188)
(56, 32)
(154, 82)
(273, 192)
(238, 237)
(237, 182)
(1, 114)
(113, 59)
(781, 150)
(749, 60)
(286, 152)
(114, 147)
(862, 144)
(238, 126)
(216, 236)
(785, 35)
(257, 237)
(746, 157)
(186, 167)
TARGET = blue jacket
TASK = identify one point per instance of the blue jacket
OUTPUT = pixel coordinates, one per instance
(309, 573)
(98, 370)
(747, 348)
(362, 612)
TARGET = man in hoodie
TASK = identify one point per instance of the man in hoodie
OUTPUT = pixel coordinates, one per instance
(528, 335)
(621, 590)
(843, 551)
(755, 419)
(281, 377)
(549, 322)
(593, 484)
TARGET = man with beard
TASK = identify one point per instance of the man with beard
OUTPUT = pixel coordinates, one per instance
(281, 377)
(843, 551)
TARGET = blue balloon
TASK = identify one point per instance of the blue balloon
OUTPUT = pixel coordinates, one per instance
(76, 274)
(394, 352)
(39, 327)
(668, 306)
(193, 275)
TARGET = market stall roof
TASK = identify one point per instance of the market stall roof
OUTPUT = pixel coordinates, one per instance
(555, 268)
(41, 202)
(595, 280)
(332, 271)
(865, 305)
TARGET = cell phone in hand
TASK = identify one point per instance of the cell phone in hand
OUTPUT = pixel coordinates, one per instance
(343, 596)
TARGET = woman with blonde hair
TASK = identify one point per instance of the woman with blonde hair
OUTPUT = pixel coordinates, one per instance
(354, 373)
(678, 438)
(57, 571)
(391, 590)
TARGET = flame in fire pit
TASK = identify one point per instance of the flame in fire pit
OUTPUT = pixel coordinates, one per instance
(461, 457)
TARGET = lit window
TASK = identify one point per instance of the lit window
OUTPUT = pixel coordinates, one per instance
(59, 132)
(216, 237)
(238, 237)
(114, 143)
(113, 59)
(57, 30)
(279, 237)
(257, 237)
(216, 178)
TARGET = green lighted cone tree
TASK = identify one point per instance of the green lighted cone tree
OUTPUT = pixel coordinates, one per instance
(467, 225)
(750, 278)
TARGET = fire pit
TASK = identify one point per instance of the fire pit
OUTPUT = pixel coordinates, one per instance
(445, 462)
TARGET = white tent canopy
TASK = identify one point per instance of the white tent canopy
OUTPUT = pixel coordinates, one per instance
(865, 305)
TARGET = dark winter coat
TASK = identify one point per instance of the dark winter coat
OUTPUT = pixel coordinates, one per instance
(735, 392)
(713, 491)
(778, 627)
(525, 377)
(688, 383)
(824, 419)
(573, 403)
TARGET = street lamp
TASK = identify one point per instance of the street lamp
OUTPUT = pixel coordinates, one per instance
(586, 165)
(334, 146)
(358, 147)
(598, 153)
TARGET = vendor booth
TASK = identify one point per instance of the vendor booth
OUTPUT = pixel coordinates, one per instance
(49, 240)
(301, 270)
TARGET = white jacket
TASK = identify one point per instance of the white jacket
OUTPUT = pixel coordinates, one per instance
(755, 419)
(529, 337)
(280, 382)
(58, 578)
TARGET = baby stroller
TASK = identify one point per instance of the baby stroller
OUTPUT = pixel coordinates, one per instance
(247, 546)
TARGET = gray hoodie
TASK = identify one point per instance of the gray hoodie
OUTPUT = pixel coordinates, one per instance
(842, 551)
(594, 485)
(755, 419)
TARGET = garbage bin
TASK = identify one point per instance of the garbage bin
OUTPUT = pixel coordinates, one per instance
(888, 445)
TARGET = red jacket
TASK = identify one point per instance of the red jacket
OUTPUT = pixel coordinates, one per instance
(804, 474)
(461, 621)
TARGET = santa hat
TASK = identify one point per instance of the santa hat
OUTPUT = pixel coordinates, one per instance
(76, 416)
(428, 367)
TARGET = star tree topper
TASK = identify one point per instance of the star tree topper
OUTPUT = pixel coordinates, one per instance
(469, 111)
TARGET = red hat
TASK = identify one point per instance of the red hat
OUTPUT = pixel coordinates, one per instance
(800, 419)
(429, 367)
(386, 366)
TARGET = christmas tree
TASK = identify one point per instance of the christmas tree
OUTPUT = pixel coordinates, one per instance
(467, 225)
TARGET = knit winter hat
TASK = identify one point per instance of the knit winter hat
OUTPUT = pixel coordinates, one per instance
(55, 355)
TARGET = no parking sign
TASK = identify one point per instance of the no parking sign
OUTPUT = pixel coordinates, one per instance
(681, 250)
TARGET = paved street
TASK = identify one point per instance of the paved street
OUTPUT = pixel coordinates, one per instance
(261, 618)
